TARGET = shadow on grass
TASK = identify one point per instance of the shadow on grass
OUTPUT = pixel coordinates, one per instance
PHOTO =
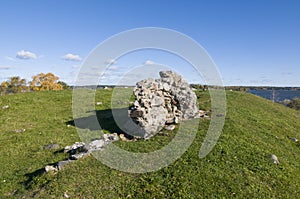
(32, 181)
(104, 120)
(31, 176)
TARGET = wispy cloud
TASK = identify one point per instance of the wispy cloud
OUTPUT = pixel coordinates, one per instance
(149, 62)
(286, 73)
(113, 68)
(25, 55)
(5, 67)
(111, 61)
(41, 56)
(9, 58)
(71, 57)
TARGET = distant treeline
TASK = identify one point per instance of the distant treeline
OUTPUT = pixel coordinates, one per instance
(245, 88)
(39, 82)
(200, 87)
(272, 88)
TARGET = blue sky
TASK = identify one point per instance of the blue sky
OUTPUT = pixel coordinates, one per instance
(251, 42)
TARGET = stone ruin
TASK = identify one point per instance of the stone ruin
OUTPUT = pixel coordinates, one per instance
(160, 102)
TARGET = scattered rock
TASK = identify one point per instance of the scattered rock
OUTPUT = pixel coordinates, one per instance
(80, 149)
(110, 137)
(69, 125)
(170, 127)
(274, 159)
(20, 130)
(78, 156)
(5, 107)
(96, 145)
(124, 138)
(66, 195)
(49, 168)
(160, 102)
(76, 147)
(203, 114)
(98, 103)
(294, 139)
(51, 146)
(60, 165)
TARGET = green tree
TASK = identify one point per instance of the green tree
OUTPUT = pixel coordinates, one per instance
(295, 103)
(64, 85)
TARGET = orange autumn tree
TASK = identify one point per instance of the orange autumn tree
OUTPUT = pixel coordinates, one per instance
(42, 82)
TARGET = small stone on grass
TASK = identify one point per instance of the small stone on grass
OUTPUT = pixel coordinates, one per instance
(170, 127)
(274, 159)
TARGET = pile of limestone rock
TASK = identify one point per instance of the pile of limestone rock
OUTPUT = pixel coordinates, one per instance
(79, 150)
(161, 102)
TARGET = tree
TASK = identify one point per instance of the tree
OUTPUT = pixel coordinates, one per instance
(41, 82)
(3, 88)
(295, 103)
(64, 85)
(14, 85)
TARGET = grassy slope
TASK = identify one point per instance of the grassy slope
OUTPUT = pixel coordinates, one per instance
(238, 166)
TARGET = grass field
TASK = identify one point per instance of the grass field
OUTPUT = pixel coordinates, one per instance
(238, 167)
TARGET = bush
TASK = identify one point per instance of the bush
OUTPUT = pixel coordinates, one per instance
(295, 103)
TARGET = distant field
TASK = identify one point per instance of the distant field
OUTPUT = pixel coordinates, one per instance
(239, 166)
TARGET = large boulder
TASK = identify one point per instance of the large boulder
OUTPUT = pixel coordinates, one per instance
(160, 102)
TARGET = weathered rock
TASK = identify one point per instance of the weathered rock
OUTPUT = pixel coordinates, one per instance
(20, 130)
(123, 138)
(294, 139)
(49, 168)
(110, 137)
(202, 113)
(60, 165)
(78, 156)
(76, 147)
(51, 146)
(5, 107)
(167, 100)
(274, 159)
(96, 145)
(80, 149)
(170, 127)
(66, 195)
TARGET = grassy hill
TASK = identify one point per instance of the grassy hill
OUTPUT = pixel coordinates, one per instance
(239, 166)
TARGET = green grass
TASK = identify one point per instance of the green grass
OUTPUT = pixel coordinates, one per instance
(239, 165)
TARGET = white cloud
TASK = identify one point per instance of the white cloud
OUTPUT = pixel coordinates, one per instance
(5, 67)
(113, 68)
(25, 55)
(9, 58)
(149, 62)
(111, 61)
(71, 57)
